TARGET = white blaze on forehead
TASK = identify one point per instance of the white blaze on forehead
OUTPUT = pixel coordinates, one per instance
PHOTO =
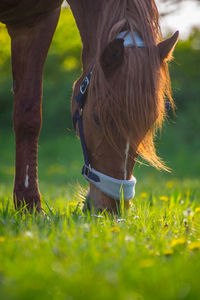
(27, 177)
(126, 160)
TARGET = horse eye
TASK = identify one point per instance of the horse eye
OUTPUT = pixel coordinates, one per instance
(96, 119)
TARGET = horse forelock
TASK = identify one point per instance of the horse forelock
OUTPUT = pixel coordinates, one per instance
(131, 103)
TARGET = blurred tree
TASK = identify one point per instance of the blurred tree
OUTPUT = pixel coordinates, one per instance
(181, 140)
(174, 1)
(171, 5)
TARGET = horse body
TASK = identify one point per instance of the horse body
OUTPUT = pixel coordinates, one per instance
(25, 12)
(114, 128)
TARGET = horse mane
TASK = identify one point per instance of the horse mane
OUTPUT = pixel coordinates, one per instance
(130, 102)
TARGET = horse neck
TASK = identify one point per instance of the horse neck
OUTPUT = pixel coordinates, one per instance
(86, 14)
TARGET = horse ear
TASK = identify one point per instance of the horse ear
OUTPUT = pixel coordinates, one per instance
(166, 47)
(112, 57)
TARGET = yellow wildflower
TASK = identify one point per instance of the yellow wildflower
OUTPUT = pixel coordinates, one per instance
(187, 192)
(146, 263)
(105, 247)
(197, 209)
(170, 184)
(115, 229)
(194, 246)
(151, 252)
(72, 204)
(16, 239)
(2, 239)
(164, 198)
(178, 242)
(168, 252)
(144, 195)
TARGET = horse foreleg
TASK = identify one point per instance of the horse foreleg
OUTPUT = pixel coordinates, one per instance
(29, 45)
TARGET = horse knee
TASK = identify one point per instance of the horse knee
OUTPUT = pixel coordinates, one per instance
(27, 119)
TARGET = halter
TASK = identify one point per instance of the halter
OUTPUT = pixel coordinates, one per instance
(115, 188)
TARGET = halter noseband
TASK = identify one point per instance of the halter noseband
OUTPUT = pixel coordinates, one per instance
(115, 188)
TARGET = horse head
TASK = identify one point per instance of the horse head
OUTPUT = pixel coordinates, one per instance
(121, 102)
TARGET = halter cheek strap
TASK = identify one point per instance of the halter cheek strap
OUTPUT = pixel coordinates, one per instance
(117, 189)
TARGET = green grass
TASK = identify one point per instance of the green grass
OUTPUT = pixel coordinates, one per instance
(151, 252)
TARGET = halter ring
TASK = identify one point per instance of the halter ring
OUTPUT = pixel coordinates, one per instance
(84, 86)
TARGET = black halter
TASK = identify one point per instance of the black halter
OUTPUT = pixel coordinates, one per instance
(110, 186)
(78, 117)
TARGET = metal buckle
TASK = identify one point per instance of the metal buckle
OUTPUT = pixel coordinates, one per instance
(89, 174)
(86, 170)
(84, 85)
(167, 105)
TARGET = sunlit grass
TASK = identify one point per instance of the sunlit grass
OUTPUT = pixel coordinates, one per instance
(65, 254)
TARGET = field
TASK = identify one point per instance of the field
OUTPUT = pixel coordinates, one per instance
(151, 251)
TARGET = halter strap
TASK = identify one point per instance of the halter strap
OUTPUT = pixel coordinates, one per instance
(117, 189)
(77, 117)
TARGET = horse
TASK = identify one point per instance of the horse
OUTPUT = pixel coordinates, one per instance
(117, 103)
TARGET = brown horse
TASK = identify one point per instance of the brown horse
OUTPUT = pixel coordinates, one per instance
(125, 99)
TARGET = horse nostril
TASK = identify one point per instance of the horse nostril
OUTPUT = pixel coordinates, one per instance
(96, 119)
